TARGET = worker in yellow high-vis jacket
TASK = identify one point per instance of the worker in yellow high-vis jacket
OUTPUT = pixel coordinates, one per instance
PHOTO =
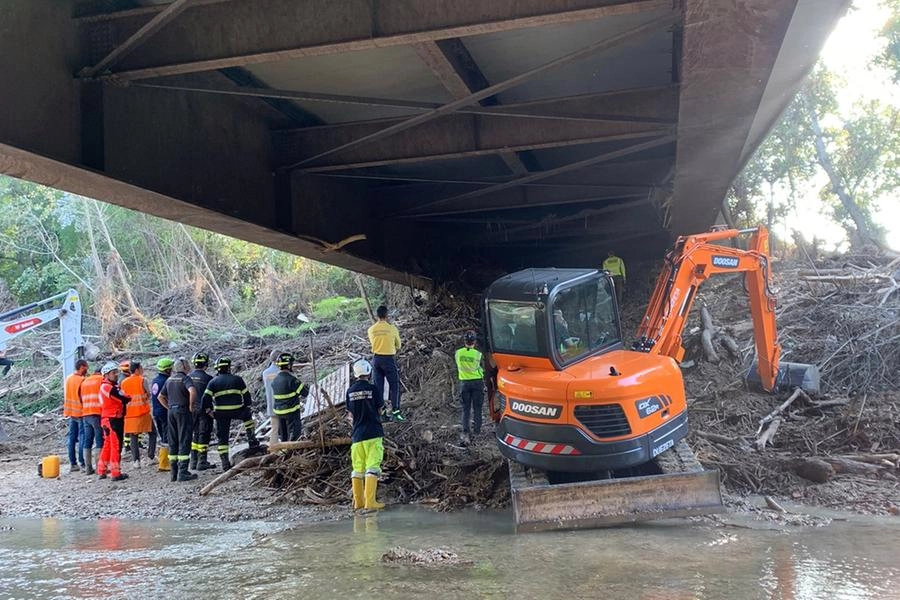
(385, 340)
(471, 382)
(616, 268)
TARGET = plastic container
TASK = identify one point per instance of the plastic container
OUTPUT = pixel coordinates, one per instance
(164, 460)
(49, 467)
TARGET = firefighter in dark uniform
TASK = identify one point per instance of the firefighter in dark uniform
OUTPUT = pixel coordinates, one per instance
(180, 397)
(230, 400)
(202, 421)
(287, 391)
(367, 450)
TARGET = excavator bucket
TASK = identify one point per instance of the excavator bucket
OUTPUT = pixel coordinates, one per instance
(790, 376)
(682, 488)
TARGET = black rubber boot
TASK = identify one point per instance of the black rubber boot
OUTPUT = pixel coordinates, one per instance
(184, 473)
(174, 467)
(194, 457)
(203, 464)
(226, 462)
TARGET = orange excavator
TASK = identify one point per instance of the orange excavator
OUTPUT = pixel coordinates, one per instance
(594, 431)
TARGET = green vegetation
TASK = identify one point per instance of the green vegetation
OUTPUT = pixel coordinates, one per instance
(278, 332)
(850, 153)
(340, 307)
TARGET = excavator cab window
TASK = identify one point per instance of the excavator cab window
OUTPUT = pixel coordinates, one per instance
(584, 320)
(516, 327)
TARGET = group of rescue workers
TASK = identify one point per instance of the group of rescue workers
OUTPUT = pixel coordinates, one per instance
(180, 406)
(110, 408)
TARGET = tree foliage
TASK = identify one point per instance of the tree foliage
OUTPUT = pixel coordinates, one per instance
(889, 57)
(858, 148)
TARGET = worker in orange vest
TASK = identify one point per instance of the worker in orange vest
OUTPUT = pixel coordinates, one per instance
(92, 435)
(72, 410)
(112, 421)
(138, 419)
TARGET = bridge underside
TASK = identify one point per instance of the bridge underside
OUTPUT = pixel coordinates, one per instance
(407, 139)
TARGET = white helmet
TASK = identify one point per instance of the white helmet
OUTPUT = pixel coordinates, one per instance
(109, 367)
(362, 368)
(181, 365)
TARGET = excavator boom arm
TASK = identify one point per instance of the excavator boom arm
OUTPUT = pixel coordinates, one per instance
(68, 310)
(692, 261)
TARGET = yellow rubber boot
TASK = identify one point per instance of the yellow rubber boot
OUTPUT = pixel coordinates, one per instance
(359, 500)
(164, 459)
(371, 488)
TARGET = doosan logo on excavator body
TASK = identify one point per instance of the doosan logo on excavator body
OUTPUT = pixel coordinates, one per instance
(529, 409)
(727, 262)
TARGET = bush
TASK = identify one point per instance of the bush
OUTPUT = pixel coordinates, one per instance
(279, 332)
(340, 307)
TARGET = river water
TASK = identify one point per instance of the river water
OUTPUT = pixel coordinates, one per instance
(676, 559)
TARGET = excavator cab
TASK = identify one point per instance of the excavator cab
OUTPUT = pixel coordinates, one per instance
(560, 315)
(569, 397)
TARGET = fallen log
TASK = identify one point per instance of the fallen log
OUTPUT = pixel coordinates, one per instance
(853, 467)
(874, 458)
(245, 465)
(768, 435)
(813, 469)
(730, 345)
(306, 444)
(781, 408)
(770, 502)
(706, 337)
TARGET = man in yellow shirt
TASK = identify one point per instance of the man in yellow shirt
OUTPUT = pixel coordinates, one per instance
(616, 268)
(385, 340)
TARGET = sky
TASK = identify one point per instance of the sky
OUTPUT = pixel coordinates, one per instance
(848, 52)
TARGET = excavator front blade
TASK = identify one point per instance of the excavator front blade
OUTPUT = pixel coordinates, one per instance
(682, 489)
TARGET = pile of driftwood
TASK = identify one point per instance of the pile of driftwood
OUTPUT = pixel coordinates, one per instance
(842, 315)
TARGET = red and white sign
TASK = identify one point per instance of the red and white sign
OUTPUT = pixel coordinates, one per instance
(22, 325)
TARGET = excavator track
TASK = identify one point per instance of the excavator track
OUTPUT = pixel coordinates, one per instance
(681, 488)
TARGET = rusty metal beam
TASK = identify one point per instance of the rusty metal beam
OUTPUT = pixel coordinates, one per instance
(567, 246)
(22, 164)
(551, 109)
(597, 47)
(139, 37)
(517, 200)
(245, 79)
(588, 213)
(452, 137)
(455, 69)
(581, 164)
(268, 30)
(88, 15)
